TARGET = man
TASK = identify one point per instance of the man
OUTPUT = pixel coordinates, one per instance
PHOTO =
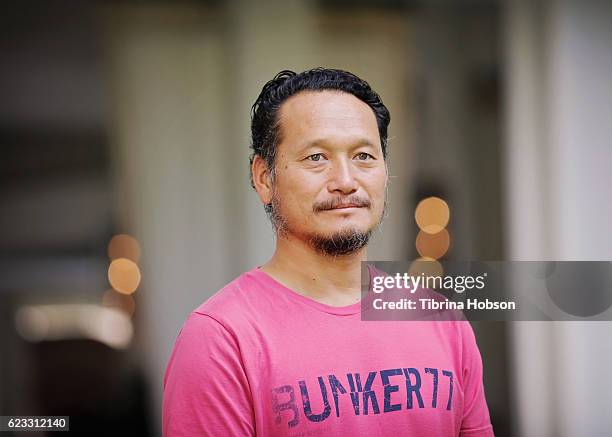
(282, 350)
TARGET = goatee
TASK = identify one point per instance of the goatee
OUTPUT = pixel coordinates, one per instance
(345, 242)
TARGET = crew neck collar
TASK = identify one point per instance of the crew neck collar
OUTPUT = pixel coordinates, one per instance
(347, 310)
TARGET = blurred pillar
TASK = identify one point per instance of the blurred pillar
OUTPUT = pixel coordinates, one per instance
(534, 395)
(165, 65)
(558, 189)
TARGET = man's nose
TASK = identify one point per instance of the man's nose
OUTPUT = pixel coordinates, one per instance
(342, 177)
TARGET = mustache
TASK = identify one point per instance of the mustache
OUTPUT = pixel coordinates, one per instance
(337, 201)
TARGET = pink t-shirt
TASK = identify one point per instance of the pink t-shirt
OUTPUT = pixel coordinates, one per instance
(260, 359)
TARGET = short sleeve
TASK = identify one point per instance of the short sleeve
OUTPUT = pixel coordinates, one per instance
(476, 421)
(206, 391)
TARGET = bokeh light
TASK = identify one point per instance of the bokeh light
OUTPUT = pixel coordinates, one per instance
(124, 275)
(432, 215)
(433, 245)
(124, 246)
(426, 266)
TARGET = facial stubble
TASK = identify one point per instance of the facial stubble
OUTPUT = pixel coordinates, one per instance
(344, 242)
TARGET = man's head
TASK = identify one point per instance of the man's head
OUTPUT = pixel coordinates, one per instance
(319, 141)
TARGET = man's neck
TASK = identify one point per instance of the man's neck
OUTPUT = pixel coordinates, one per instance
(333, 280)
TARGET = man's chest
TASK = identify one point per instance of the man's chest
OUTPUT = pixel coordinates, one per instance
(356, 379)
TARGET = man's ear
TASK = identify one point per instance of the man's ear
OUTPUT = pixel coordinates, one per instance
(262, 179)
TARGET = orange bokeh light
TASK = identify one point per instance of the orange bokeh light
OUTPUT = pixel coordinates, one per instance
(124, 275)
(124, 246)
(432, 215)
(433, 245)
(426, 266)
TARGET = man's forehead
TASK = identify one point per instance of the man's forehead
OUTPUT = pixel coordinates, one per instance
(318, 103)
(326, 111)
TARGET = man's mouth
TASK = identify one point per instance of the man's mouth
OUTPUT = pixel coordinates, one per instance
(347, 205)
(336, 204)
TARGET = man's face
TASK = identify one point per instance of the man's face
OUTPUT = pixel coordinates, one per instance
(330, 182)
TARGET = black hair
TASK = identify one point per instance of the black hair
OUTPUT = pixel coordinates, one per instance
(265, 125)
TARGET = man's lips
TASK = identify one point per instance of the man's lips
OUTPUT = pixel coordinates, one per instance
(348, 205)
(336, 204)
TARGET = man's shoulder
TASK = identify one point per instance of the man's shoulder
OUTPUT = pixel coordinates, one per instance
(234, 301)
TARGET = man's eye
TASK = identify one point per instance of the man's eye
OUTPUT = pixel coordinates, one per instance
(315, 157)
(363, 156)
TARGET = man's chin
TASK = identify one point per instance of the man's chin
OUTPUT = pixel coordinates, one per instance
(345, 241)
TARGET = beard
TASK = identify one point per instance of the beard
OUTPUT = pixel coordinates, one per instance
(346, 241)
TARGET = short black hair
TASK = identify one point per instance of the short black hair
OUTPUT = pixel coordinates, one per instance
(265, 125)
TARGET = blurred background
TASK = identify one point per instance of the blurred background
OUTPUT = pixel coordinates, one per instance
(125, 200)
